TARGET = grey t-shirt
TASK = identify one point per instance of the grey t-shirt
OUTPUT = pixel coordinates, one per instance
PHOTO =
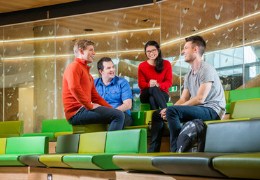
(216, 97)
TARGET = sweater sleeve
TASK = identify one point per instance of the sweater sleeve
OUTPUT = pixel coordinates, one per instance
(141, 78)
(167, 81)
(73, 79)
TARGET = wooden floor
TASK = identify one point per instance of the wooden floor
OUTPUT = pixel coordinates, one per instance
(35, 173)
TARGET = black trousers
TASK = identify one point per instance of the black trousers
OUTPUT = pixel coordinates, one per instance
(155, 97)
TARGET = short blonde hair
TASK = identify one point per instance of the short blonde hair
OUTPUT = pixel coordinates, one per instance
(81, 44)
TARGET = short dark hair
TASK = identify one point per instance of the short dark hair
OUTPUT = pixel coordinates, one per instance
(100, 65)
(199, 41)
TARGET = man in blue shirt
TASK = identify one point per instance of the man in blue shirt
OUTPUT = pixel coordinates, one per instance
(115, 90)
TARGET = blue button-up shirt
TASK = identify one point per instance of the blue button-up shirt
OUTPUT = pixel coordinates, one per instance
(115, 92)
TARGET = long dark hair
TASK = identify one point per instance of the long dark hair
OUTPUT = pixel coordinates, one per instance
(159, 59)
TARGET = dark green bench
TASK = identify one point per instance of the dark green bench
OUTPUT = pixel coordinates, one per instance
(11, 128)
(222, 139)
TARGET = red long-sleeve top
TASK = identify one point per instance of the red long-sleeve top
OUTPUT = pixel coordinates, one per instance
(78, 89)
(146, 72)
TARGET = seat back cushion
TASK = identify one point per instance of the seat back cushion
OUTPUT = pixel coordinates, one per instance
(246, 108)
(126, 141)
(11, 127)
(233, 137)
(2, 145)
(56, 125)
(67, 143)
(92, 142)
(241, 94)
(27, 145)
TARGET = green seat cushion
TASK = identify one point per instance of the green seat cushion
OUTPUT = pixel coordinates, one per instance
(27, 145)
(53, 160)
(90, 161)
(10, 160)
(92, 142)
(2, 145)
(11, 128)
(126, 141)
(244, 166)
(136, 162)
(31, 160)
(189, 164)
(56, 125)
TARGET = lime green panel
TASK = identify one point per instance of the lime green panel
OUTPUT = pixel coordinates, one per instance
(80, 161)
(124, 141)
(246, 108)
(137, 127)
(11, 127)
(2, 145)
(148, 116)
(138, 118)
(92, 142)
(56, 125)
(27, 145)
(52, 160)
(244, 166)
(241, 94)
(87, 128)
(61, 133)
(10, 160)
(144, 107)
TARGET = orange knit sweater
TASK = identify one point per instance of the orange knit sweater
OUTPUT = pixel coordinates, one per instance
(78, 89)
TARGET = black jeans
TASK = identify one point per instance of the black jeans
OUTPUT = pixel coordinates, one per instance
(175, 116)
(155, 97)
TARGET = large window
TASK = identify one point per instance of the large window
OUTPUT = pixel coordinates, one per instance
(34, 55)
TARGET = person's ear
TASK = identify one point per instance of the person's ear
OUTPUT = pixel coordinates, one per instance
(100, 71)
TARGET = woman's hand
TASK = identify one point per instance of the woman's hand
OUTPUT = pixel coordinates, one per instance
(153, 83)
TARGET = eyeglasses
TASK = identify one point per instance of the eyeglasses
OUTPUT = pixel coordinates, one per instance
(151, 51)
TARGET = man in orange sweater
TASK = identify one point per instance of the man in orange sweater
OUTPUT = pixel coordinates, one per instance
(82, 104)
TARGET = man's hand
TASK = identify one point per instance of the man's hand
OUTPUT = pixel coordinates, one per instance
(163, 113)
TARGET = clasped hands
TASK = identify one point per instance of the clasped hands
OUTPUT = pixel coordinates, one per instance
(153, 83)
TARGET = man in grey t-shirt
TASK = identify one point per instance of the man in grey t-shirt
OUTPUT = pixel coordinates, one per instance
(202, 96)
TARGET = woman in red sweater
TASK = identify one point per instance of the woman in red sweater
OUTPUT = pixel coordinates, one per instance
(154, 77)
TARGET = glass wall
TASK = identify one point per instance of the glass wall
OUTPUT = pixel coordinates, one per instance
(34, 55)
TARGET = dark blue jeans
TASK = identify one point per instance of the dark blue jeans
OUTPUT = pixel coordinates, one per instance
(100, 115)
(175, 116)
